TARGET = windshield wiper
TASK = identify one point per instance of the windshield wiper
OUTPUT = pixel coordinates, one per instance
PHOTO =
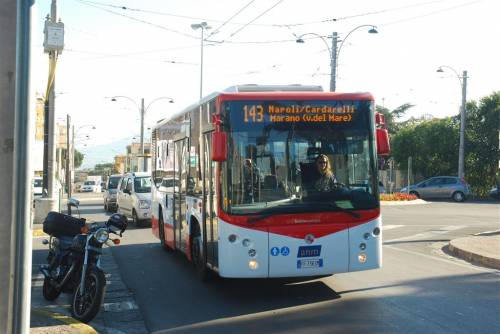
(300, 209)
(349, 212)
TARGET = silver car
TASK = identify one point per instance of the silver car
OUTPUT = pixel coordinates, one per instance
(441, 187)
(110, 190)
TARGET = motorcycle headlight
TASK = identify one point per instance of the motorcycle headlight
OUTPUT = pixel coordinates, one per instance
(102, 235)
(144, 204)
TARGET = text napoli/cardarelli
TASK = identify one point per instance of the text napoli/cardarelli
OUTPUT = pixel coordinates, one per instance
(295, 109)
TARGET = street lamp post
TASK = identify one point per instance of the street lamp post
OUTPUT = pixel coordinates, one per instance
(334, 52)
(142, 112)
(463, 84)
(203, 26)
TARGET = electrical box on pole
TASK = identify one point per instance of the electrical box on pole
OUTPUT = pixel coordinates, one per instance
(53, 36)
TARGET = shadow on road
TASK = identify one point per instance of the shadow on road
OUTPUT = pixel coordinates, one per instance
(173, 300)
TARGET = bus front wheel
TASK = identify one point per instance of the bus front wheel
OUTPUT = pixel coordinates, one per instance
(198, 258)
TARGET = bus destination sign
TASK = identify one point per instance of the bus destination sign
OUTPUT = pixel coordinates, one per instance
(257, 113)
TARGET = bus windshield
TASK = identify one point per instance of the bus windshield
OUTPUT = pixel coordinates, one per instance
(299, 156)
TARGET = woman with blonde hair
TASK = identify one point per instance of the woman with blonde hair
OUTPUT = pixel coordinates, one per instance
(326, 181)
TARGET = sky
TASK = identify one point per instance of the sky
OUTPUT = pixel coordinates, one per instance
(147, 49)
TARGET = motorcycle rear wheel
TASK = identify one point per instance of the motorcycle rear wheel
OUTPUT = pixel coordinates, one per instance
(49, 291)
(85, 307)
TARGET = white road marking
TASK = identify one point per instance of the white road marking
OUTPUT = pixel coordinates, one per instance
(465, 265)
(428, 234)
(390, 227)
(120, 307)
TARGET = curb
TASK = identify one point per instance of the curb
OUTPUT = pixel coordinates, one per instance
(395, 203)
(473, 257)
(74, 324)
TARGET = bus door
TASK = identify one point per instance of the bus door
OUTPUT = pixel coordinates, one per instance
(180, 179)
(209, 202)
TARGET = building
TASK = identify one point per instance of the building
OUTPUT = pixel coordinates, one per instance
(134, 159)
(120, 163)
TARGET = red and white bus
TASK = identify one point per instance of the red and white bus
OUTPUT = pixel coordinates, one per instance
(234, 182)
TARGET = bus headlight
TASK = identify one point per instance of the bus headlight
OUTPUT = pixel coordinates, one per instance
(253, 264)
(362, 258)
(101, 235)
(246, 243)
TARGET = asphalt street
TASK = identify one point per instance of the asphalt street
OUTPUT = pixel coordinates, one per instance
(421, 288)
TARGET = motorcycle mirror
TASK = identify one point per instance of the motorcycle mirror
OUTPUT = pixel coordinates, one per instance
(74, 202)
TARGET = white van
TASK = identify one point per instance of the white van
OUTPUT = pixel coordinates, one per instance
(134, 197)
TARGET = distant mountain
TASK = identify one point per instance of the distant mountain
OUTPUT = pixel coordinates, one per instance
(103, 153)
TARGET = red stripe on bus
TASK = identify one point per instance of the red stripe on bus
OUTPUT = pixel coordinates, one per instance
(299, 225)
(314, 96)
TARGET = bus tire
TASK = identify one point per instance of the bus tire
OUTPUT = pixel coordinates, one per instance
(197, 256)
(161, 233)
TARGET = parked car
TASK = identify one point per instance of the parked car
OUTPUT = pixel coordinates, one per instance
(495, 192)
(134, 197)
(110, 189)
(381, 188)
(441, 187)
(37, 186)
(90, 186)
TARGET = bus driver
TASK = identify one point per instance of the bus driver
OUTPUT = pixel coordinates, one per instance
(326, 181)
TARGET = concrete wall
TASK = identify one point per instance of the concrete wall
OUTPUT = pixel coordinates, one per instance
(7, 97)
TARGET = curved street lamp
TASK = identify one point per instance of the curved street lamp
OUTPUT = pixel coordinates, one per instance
(142, 112)
(463, 85)
(333, 51)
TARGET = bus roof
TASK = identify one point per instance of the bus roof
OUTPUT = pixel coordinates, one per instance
(277, 92)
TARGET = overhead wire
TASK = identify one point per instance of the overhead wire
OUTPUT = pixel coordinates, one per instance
(256, 18)
(89, 3)
(232, 17)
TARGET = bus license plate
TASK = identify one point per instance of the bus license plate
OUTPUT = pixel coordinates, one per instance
(309, 263)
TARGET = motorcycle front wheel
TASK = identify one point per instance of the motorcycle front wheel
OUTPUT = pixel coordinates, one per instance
(86, 305)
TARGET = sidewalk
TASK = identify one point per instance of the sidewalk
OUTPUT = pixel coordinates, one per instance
(119, 313)
(482, 249)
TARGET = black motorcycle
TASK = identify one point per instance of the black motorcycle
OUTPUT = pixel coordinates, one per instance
(74, 260)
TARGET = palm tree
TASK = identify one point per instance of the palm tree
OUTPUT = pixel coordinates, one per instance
(391, 116)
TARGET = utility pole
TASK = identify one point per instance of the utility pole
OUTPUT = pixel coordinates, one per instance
(72, 158)
(463, 110)
(50, 135)
(333, 63)
(53, 45)
(15, 228)
(67, 182)
(144, 162)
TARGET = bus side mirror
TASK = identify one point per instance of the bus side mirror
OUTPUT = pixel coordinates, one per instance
(219, 146)
(383, 146)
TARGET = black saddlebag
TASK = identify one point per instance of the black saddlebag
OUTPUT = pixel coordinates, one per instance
(58, 224)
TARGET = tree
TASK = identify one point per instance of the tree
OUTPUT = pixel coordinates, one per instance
(391, 116)
(78, 159)
(104, 169)
(482, 151)
(433, 146)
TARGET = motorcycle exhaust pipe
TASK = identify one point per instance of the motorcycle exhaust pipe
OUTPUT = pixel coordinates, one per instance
(66, 278)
